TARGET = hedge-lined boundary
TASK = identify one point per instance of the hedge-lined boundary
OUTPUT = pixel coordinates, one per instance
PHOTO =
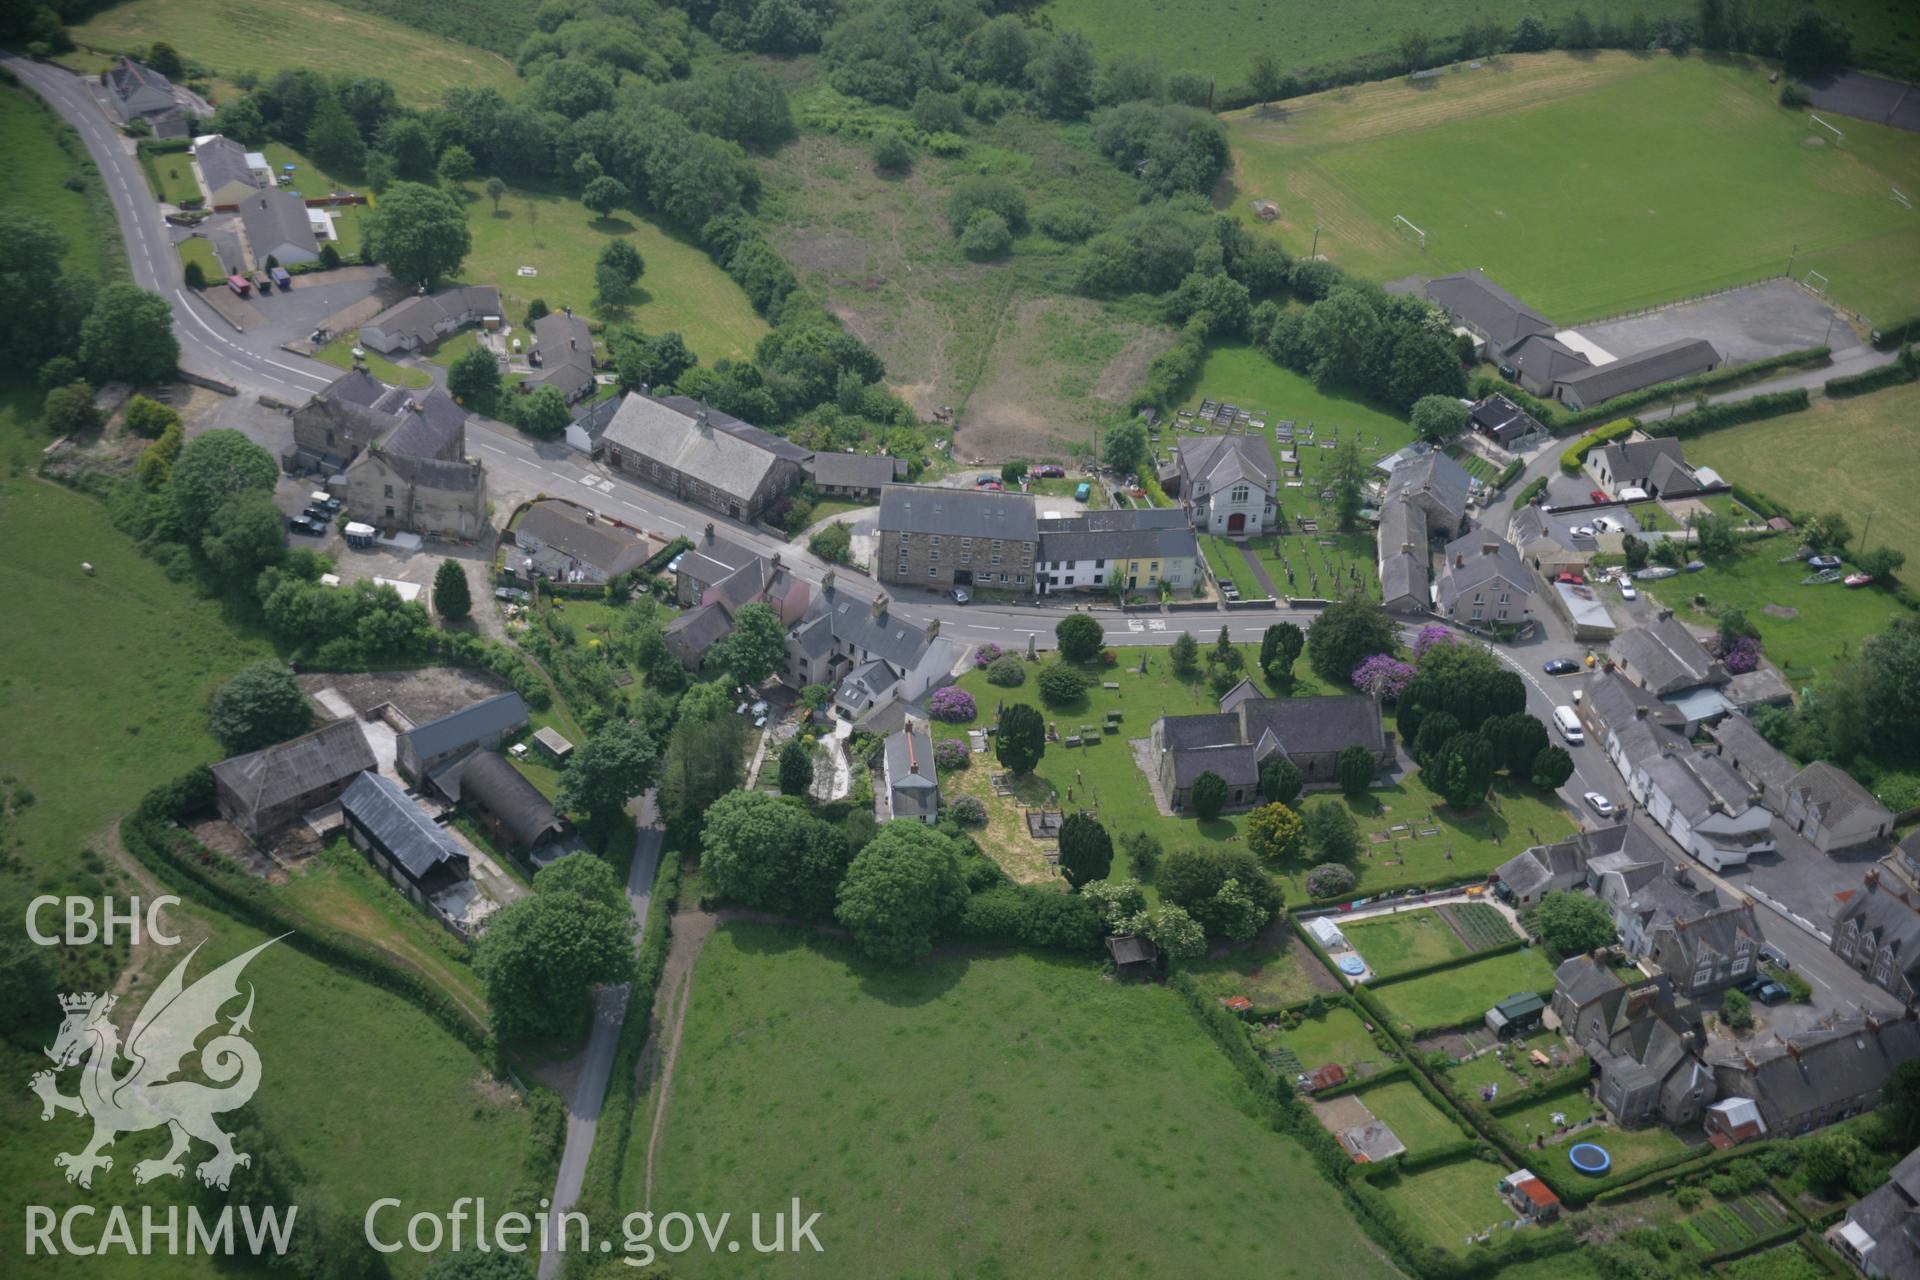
(1534, 489)
(1895, 334)
(174, 852)
(1508, 474)
(1441, 966)
(1620, 406)
(1905, 369)
(1575, 455)
(1758, 503)
(1729, 413)
(546, 1140)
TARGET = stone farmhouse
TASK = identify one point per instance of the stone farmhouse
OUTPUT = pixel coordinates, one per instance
(415, 323)
(1644, 1041)
(1876, 929)
(871, 659)
(402, 455)
(1438, 486)
(1228, 484)
(264, 790)
(1483, 582)
(1830, 810)
(939, 538)
(701, 455)
(1249, 729)
(1403, 558)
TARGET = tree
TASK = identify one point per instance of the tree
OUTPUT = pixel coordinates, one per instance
(452, 599)
(149, 419)
(246, 534)
(541, 957)
(1021, 740)
(1736, 1010)
(1280, 780)
(1274, 832)
(1060, 684)
(770, 853)
(1827, 532)
(1329, 880)
(1416, 50)
(215, 466)
(1125, 448)
(624, 259)
(834, 543)
(162, 57)
(796, 766)
(1518, 740)
(1208, 795)
(900, 890)
(70, 409)
(1185, 654)
(1347, 632)
(1062, 76)
(1635, 551)
(1086, 850)
(1195, 879)
(1332, 830)
(1349, 475)
(1881, 562)
(604, 194)
(1573, 924)
(1007, 671)
(1264, 77)
(584, 875)
(471, 1264)
(542, 413)
(1813, 42)
(1830, 1160)
(1438, 418)
(1169, 928)
(27, 984)
(128, 337)
(757, 646)
(419, 232)
(456, 164)
(1143, 853)
(617, 762)
(891, 153)
(474, 379)
(333, 140)
(260, 706)
(1900, 1105)
(495, 190)
(1080, 637)
(1464, 770)
(1531, 35)
(1551, 768)
(1356, 768)
(1282, 642)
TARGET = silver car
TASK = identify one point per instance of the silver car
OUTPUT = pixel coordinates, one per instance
(1601, 805)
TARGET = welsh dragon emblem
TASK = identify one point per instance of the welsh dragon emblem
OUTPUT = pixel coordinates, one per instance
(146, 1095)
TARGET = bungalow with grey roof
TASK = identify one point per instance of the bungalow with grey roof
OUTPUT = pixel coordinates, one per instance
(1483, 582)
(1540, 360)
(415, 323)
(1228, 484)
(912, 789)
(859, 476)
(138, 92)
(1657, 466)
(277, 227)
(701, 455)
(1249, 729)
(562, 356)
(228, 171)
(1876, 930)
(569, 543)
(1584, 388)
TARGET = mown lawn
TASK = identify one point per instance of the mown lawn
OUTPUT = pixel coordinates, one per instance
(1419, 1124)
(1452, 1201)
(1409, 940)
(980, 1116)
(170, 175)
(560, 238)
(1652, 178)
(1455, 996)
(1829, 619)
(339, 354)
(196, 249)
(1338, 1034)
(1794, 460)
(267, 36)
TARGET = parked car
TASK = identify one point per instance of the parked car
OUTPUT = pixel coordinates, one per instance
(308, 525)
(1049, 471)
(989, 486)
(1774, 956)
(1606, 524)
(1571, 579)
(1560, 667)
(1597, 495)
(987, 478)
(959, 595)
(1771, 993)
(1582, 531)
(1824, 562)
(1601, 805)
(314, 511)
(1627, 591)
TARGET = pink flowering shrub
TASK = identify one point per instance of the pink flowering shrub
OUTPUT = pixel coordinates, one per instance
(1430, 637)
(1740, 657)
(951, 753)
(953, 705)
(1384, 676)
(986, 653)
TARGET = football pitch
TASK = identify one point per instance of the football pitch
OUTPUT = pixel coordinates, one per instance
(1589, 186)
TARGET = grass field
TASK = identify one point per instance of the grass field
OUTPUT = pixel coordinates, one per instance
(1409, 940)
(1792, 459)
(1452, 1201)
(38, 170)
(560, 238)
(1337, 1035)
(266, 36)
(982, 1116)
(1455, 996)
(1646, 179)
(1268, 976)
(1419, 1124)
(170, 175)
(339, 354)
(1832, 619)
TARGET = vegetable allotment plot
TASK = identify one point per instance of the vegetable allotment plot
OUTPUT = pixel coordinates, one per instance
(1590, 187)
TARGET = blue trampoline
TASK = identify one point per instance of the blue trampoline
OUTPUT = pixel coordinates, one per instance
(1351, 965)
(1588, 1158)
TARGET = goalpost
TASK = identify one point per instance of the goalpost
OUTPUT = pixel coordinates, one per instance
(1815, 282)
(1838, 136)
(1901, 196)
(1410, 231)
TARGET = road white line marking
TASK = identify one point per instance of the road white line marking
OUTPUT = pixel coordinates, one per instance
(490, 449)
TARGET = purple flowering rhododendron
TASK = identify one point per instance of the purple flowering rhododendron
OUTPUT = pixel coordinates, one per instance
(1384, 676)
(1430, 637)
(986, 653)
(952, 704)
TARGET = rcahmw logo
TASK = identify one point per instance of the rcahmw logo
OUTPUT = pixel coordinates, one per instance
(145, 1095)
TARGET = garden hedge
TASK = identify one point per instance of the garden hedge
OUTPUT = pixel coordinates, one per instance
(1508, 474)
(1575, 455)
(1532, 491)
(1728, 413)
(1905, 369)
(1451, 962)
(1895, 334)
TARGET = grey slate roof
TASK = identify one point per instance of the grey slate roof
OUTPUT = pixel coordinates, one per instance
(712, 559)
(1537, 867)
(502, 713)
(696, 631)
(139, 90)
(1890, 1216)
(428, 424)
(1135, 533)
(274, 219)
(856, 470)
(1472, 299)
(1643, 369)
(1402, 525)
(416, 317)
(1743, 747)
(1582, 980)
(1467, 565)
(863, 686)
(1502, 419)
(222, 160)
(1218, 461)
(1633, 460)
(1545, 359)
(1436, 477)
(1404, 580)
(853, 622)
(416, 841)
(698, 441)
(1837, 797)
(564, 527)
(273, 775)
(1663, 899)
(565, 344)
(910, 772)
(1887, 918)
(965, 513)
(432, 473)
(486, 779)
(1308, 725)
(1613, 701)
(1667, 657)
(1805, 1073)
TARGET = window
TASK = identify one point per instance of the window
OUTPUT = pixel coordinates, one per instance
(934, 540)
(1240, 493)
(996, 544)
(1099, 564)
(996, 559)
(389, 513)
(389, 491)
(1505, 597)
(932, 572)
(1477, 613)
(1022, 579)
(906, 537)
(933, 555)
(1479, 597)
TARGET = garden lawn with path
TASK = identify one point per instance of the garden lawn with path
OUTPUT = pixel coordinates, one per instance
(1336, 1035)
(1419, 1124)
(1451, 1201)
(200, 250)
(1829, 620)
(951, 1085)
(339, 354)
(1404, 940)
(1455, 997)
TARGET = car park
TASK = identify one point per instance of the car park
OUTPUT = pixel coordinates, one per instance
(1601, 805)
(1560, 667)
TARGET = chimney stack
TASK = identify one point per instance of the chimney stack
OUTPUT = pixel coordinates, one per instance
(933, 628)
(709, 531)
(1459, 560)
(826, 582)
(880, 603)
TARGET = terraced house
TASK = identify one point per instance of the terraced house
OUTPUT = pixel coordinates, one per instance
(1131, 550)
(941, 538)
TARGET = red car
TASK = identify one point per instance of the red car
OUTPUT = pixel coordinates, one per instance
(1597, 495)
(1571, 579)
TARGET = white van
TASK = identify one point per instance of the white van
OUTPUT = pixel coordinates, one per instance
(1569, 725)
